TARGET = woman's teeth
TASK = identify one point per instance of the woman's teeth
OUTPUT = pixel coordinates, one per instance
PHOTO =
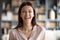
(27, 18)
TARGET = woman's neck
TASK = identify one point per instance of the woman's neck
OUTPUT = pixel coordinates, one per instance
(27, 26)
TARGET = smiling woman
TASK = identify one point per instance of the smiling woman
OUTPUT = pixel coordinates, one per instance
(27, 29)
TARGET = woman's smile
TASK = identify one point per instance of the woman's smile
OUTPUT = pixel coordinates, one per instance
(27, 18)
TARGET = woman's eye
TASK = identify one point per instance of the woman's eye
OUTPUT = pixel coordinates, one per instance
(23, 12)
(26, 11)
(30, 11)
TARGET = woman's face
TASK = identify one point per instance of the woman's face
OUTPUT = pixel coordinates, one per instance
(27, 14)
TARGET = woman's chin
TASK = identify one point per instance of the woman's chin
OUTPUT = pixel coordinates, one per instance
(28, 20)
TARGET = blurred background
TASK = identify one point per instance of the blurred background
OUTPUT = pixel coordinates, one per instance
(47, 12)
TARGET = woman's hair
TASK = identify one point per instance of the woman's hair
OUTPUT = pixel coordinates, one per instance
(20, 21)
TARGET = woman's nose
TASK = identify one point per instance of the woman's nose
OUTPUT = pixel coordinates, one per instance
(27, 14)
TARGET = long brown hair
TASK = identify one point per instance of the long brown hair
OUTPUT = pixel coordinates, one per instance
(20, 21)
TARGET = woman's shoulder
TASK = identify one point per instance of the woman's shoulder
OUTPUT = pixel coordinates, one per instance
(40, 28)
(41, 31)
(13, 31)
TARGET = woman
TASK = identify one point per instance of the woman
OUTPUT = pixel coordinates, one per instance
(27, 28)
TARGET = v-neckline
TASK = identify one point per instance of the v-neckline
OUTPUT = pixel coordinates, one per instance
(24, 36)
(36, 31)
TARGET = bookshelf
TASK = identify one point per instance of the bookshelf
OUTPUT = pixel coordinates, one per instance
(47, 15)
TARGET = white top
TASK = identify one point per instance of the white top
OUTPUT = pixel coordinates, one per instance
(38, 33)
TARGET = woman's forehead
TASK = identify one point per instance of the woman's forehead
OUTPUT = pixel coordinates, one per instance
(27, 7)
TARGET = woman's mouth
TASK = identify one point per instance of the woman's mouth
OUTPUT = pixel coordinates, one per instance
(27, 18)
